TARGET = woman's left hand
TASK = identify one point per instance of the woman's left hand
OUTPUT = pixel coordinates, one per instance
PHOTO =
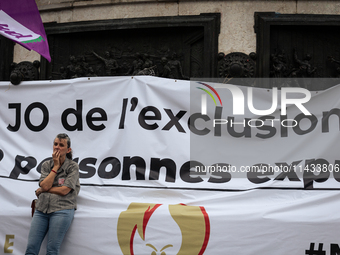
(38, 192)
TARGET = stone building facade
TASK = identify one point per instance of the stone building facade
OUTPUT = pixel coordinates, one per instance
(240, 40)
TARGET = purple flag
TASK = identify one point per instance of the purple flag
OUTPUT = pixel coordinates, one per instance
(20, 21)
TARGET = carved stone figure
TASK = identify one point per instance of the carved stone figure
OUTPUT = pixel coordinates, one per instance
(111, 64)
(147, 61)
(137, 65)
(175, 67)
(333, 60)
(279, 67)
(71, 68)
(165, 72)
(90, 72)
(304, 69)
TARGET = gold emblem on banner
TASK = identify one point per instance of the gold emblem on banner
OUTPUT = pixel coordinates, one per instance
(146, 228)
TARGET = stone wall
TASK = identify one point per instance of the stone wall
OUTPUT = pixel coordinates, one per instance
(237, 17)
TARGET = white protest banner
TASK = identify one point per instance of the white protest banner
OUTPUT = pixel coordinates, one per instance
(157, 175)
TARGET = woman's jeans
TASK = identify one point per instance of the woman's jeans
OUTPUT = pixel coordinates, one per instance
(56, 224)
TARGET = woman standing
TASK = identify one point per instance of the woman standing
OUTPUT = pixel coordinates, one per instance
(56, 204)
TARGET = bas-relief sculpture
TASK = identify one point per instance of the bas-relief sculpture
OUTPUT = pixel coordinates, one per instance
(282, 67)
(167, 66)
(232, 65)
